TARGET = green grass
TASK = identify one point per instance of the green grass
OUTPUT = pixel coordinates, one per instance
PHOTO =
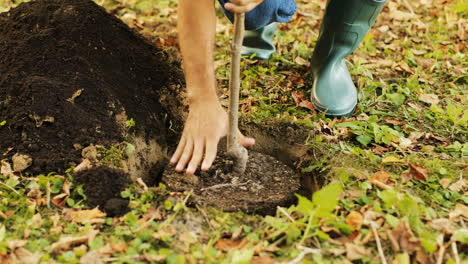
(396, 129)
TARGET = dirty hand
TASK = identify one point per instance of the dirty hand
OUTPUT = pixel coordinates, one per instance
(242, 6)
(206, 124)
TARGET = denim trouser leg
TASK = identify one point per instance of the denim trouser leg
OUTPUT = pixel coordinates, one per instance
(266, 13)
(260, 25)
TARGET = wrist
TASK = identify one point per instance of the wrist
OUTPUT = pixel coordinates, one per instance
(205, 98)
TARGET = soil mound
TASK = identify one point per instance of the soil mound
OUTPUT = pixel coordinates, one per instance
(70, 76)
(266, 184)
(102, 186)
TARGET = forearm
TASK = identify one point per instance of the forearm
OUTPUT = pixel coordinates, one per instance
(196, 27)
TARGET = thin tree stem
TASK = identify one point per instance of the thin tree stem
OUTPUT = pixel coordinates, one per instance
(235, 150)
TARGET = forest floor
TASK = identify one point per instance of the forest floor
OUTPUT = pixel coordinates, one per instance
(394, 174)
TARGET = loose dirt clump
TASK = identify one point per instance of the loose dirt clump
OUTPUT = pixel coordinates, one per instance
(102, 186)
(70, 76)
(266, 184)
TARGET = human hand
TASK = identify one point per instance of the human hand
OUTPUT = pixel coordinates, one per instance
(242, 6)
(206, 124)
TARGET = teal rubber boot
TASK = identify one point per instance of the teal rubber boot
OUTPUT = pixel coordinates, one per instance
(258, 44)
(344, 25)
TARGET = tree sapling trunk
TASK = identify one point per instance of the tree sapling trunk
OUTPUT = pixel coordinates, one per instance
(235, 150)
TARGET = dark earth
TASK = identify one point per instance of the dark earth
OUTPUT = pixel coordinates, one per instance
(71, 75)
(265, 184)
(107, 198)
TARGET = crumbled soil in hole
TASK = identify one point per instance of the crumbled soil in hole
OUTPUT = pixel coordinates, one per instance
(266, 184)
(71, 75)
(102, 187)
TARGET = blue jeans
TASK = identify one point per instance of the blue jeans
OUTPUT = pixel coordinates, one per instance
(267, 12)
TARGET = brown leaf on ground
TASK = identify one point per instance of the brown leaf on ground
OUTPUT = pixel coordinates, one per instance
(458, 186)
(188, 238)
(263, 260)
(422, 257)
(443, 225)
(417, 171)
(381, 180)
(355, 252)
(405, 237)
(425, 62)
(154, 257)
(82, 216)
(91, 257)
(460, 210)
(402, 67)
(355, 219)
(227, 244)
(6, 170)
(300, 100)
(445, 182)
(164, 233)
(119, 246)
(429, 98)
(395, 121)
(21, 162)
(21, 256)
(65, 243)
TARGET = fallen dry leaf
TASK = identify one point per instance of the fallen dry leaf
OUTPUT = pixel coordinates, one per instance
(21, 256)
(405, 238)
(425, 62)
(443, 225)
(354, 219)
(6, 170)
(65, 243)
(154, 257)
(458, 186)
(392, 159)
(21, 162)
(91, 257)
(460, 210)
(84, 165)
(355, 252)
(429, 98)
(164, 233)
(82, 216)
(300, 100)
(263, 260)
(188, 238)
(301, 61)
(381, 180)
(227, 244)
(119, 246)
(445, 182)
(395, 121)
(75, 95)
(417, 171)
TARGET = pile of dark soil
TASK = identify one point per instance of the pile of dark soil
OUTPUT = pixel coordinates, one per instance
(70, 76)
(266, 184)
(102, 186)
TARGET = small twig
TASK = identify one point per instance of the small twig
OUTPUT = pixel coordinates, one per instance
(379, 245)
(440, 256)
(304, 252)
(222, 185)
(281, 209)
(455, 252)
(48, 194)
